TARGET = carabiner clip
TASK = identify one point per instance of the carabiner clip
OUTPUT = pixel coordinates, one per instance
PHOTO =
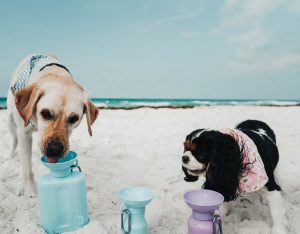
(217, 222)
(127, 212)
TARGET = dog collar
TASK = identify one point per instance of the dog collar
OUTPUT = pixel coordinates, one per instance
(55, 64)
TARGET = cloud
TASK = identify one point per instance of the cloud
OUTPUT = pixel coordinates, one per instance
(256, 64)
(242, 23)
(241, 14)
(252, 39)
(190, 35)
(173, 18)
(294, 6)
(177, 11)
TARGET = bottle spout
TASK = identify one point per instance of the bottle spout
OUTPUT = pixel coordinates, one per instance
(63, 167)
(136, 197)
(203, 203)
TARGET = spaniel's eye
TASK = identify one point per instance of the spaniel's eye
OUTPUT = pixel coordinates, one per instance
(73, 119)
(46, 114)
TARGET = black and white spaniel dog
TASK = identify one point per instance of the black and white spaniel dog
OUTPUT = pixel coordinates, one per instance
(236, 161)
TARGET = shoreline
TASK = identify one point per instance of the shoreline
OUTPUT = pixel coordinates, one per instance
(181, 107)
(188, 107)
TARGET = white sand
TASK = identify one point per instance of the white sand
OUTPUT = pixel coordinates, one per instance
(143, 148)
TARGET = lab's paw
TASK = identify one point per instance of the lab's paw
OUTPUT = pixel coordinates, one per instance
(28, 189)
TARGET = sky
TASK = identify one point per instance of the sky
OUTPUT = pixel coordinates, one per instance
(232, 49)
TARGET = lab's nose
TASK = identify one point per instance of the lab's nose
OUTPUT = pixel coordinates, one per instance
(185, 159)
(55, 148)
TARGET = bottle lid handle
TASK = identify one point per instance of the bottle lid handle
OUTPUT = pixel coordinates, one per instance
(76, 166)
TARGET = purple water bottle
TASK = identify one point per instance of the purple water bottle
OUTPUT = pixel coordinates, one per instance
(204, 203)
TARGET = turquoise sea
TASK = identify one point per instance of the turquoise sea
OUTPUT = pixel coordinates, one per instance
(132, 103)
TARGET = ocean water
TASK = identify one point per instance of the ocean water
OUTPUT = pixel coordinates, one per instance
(131, 103)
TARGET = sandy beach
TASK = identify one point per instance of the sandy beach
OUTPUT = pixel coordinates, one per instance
(143, 148)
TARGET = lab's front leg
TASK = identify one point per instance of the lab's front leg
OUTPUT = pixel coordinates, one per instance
(12, 128)
(25, 142)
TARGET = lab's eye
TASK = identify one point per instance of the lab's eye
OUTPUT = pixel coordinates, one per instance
(73, 119)
(46, 114)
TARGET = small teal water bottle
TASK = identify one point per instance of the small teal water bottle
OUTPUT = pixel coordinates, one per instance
(134, 201)
(62, 196)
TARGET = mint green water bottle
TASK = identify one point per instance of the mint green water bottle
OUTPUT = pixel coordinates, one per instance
(62, 196)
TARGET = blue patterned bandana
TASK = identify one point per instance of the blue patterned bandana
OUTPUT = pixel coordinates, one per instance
(36, 63)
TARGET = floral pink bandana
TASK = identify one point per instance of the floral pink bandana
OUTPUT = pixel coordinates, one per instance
(256, 177)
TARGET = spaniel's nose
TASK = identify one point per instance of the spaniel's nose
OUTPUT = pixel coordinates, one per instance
(54, 149)
(185, 159)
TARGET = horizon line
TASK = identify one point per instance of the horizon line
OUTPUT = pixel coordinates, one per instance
(200, 99)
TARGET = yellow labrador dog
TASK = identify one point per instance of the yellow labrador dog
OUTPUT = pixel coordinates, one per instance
(44, 97)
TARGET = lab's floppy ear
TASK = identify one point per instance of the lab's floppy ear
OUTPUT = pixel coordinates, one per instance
(91, 112)
(26, 100)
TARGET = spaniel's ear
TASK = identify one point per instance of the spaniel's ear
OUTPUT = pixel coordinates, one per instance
(26, 100)
(188, 177)
(91, 112)
(225, 167)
